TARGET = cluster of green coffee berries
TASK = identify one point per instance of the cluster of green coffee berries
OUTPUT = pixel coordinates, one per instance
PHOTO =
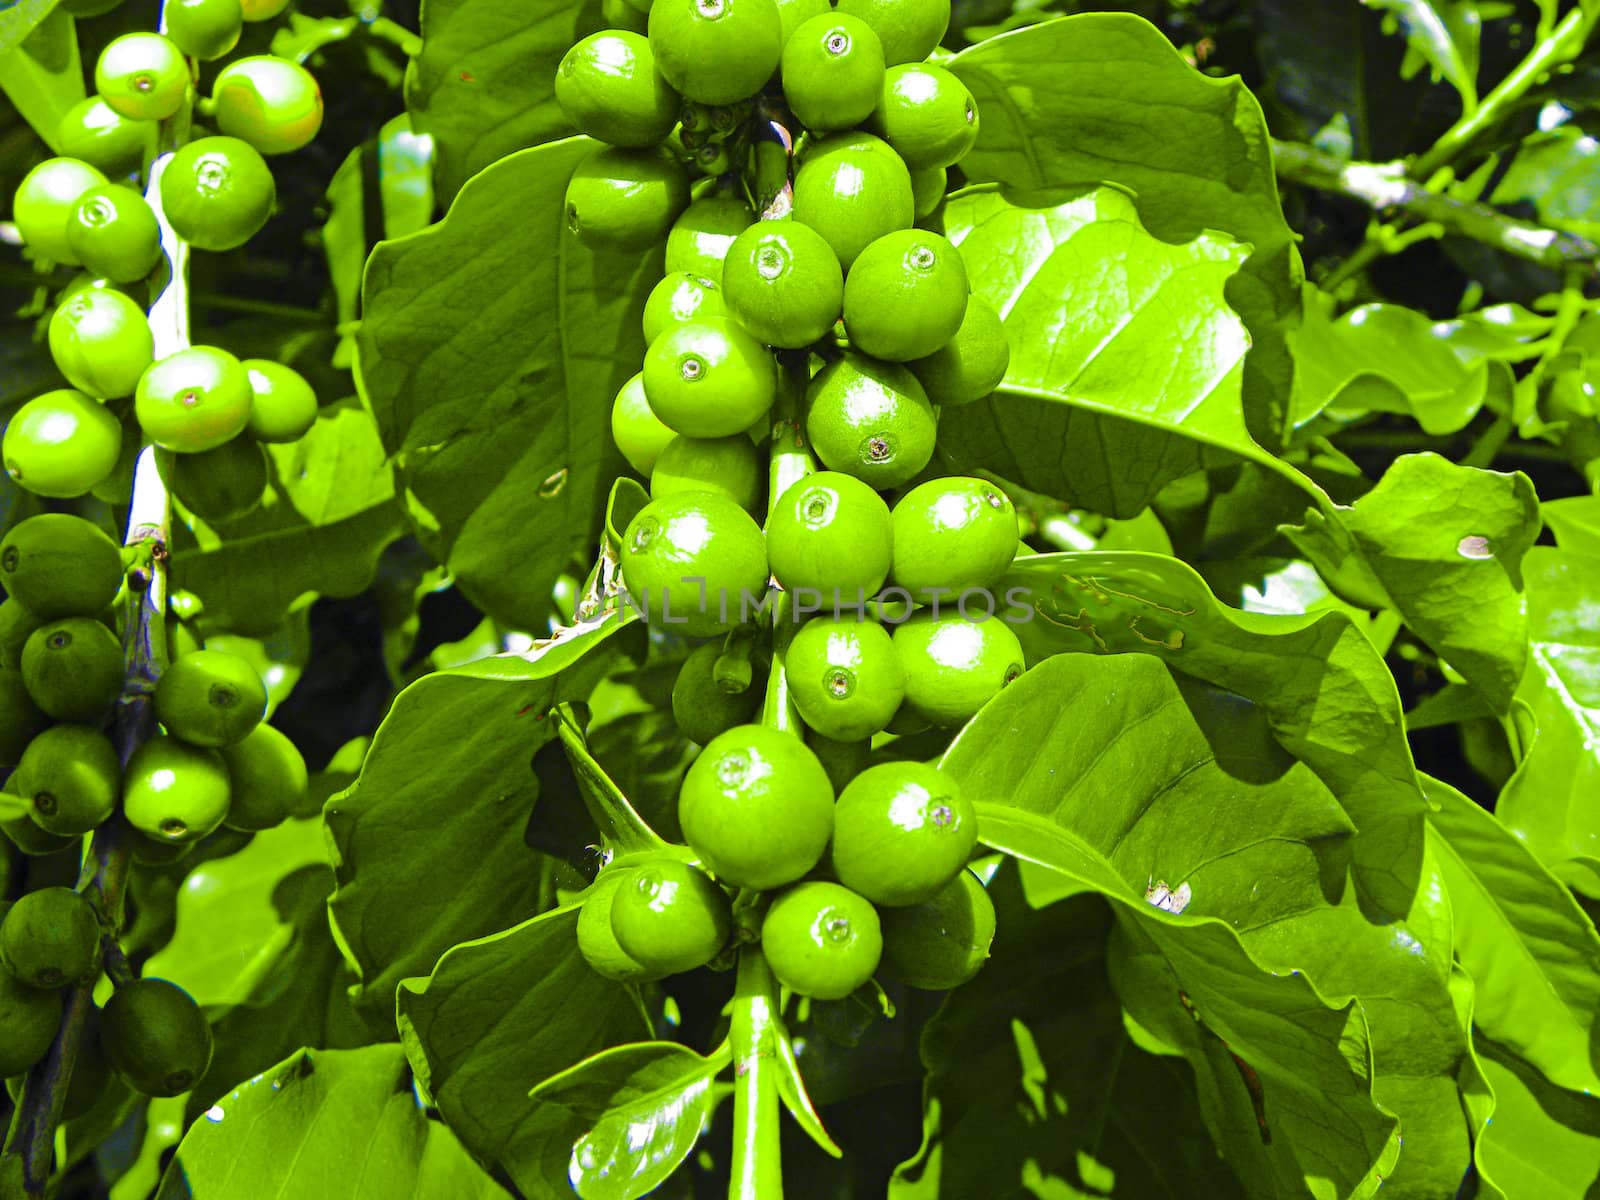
(841, 297)
(85, 209)
(150, 1031)
(62, 674)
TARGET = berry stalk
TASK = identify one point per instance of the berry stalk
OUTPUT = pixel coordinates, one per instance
(757, 1165)
(104, 876)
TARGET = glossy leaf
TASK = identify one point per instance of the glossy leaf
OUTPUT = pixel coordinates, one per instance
(642, 1108)
(1542, 1140)
(1549, 803)
(490, 348)
(1321, 687)
(1444, 35)
(333, 1124)
(1110, 329)
(1444, 544)
(1558, 174)
(239, 917)
(1034, 1086)
(503, 1011)
(1083, 767)
(484, 84)
(1532, 953)
(328, 512)
(430, 837)
(1390, 359)
(39, 66)
(1105, 98)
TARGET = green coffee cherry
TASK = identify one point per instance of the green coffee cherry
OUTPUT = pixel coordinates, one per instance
(94, 132)
(783, 282)
(175, 792)
(639, 434)
(953, 535)
(943, 941)
(730, 465)
(272, 103)
(870, 419)
(266, 779)
(610, 89)
(906, 295)
(210, 698)
(669, 917)
(50, 938)
(822, 940)
(716, 51)
(908, 29)
(699, 239)
(845, 677)
(596, 942)
(700, 707)
(73, 776)
(901, 832)
(953, 665)
(832, 72)
(217, 192)
(972, 363)
(681, 299)
(20, 719)
(283, 406)
(853, 188)
(204, 29)
(625, 199)
(831, 535)
(194, 400)
(155, 1037)
(101, 340)
(142, 76)
(218, 484)
(29, 1018)
(113, 232)
(709, 379)
(61, 444)
(926, 114)
(57, 565)
(693, 562)
(73, 669)
(44, 202)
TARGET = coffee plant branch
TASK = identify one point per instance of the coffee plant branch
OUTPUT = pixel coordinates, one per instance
(105, 870)
(1385, 187)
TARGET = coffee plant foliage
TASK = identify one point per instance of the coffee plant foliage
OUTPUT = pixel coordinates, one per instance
(1249, 847)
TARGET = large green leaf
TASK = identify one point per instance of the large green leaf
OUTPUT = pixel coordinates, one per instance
(1533, 954)
(429, 838)
(330, 1124)
(238, 917)
(1323, 689)
(1444, 544)
(1550, 802)
(1557, 173)
(484, 84)
(1391, 359)
(1542, 1142)
(1112, 331)
(1101, 770)
(498, 1016)
(1444, 35)
(491, 347)
(1105, 98)
(328, 512)
(641, 1108)
(1034, 1086)
(40, 71)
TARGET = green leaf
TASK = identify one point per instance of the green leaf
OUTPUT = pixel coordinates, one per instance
(39, 67)
(239, 917)
(1110, 330)
(1542, 1141)
(429, 838)
(1444, 35)
(1390, 359)
(330, 1124)
(1549, 803)
(399, 164)
(642, 1107)
(1575, 521)
(1105, 98)
(1121, 753)
(1322, 688)
(1558, 175)
(1533, 954)
(1087, 768)
(328, 513)
(1034, 1087)
(1445, 544)
(484, 84)
(500, 1014)
(491, 347)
